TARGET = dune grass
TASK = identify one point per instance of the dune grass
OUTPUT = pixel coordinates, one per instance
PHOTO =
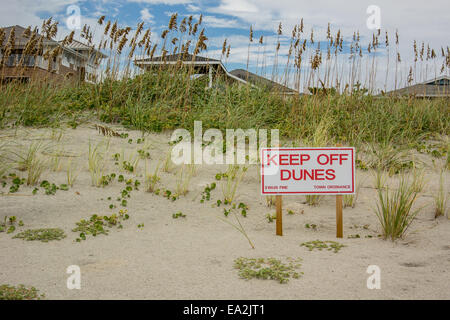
(97, 161)
(441, 197)
(395, 208)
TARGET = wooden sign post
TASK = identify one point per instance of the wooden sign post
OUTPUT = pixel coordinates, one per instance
(339, 215)
(308, 171)
(279, 220)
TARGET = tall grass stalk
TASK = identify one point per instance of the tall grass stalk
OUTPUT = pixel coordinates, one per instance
(97, 161)
(239, 227)
(35, 169)
(183, 179)
(71, 173)
(231, 181)
(441, 197)
(152, 179)
(394, 208)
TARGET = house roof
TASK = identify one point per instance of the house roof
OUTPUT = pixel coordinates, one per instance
(176, 57)
(80, 47)
(437, 87)
(261, 81)
(20, 39)
(202, 63)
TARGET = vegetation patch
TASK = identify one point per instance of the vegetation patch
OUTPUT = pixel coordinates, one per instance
(268, 269)
(320, 245)
(44, 235)
(206, 194)
(9, 224)
(178, 215)
(20, 292)
(98, 225)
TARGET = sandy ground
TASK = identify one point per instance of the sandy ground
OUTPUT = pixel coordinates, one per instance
(192, 258)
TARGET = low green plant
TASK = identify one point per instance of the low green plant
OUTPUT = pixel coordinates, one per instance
(9, 224)
(44, 235)
(394, 208)
(311, 226)
(320, 245)
(268, 268)
(206, 193)
(19, 292)
(107, 179)
(51, 188)
(271, 217)
(97, 225)
(16, 182)
(243, 207)
(178, 215)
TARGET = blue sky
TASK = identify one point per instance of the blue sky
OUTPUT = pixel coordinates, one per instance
(232, 19)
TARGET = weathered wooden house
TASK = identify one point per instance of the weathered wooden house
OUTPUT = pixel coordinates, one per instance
(25, 60)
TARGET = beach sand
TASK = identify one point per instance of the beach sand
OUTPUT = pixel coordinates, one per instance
(193, 257)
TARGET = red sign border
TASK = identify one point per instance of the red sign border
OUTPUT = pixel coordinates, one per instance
(352, 149)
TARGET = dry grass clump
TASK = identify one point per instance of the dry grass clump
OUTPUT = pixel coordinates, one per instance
(395, 208)
(97, 161)
(152, 179)
(441, 197)
(183, 179)
(231, 181)
(31, 160)
(71, 173)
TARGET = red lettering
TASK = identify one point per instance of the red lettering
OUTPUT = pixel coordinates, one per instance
(319, 174)
(271, 159)
(284, 160)
(322, 155)
(333, 157)
(285, 171)
(330, 174)
(304, 158)
(294, 159)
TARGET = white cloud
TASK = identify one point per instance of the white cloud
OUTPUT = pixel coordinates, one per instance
(193, 8)
(146, 16)
(414, 19)
(167, 2)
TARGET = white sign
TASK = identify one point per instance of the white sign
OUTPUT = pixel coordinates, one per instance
(308, 171)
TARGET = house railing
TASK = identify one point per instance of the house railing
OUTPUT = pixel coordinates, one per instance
(16, 60)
